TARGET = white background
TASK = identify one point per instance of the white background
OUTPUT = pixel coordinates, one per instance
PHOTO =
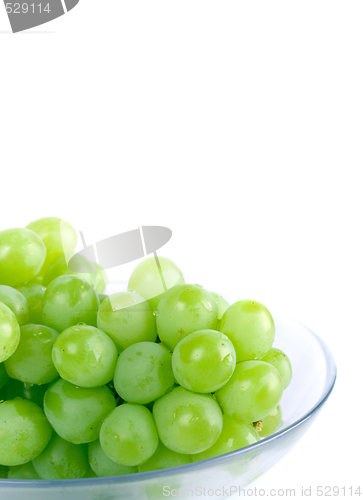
(238, 125)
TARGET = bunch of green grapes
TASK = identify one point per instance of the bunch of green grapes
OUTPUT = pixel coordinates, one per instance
(161, 375)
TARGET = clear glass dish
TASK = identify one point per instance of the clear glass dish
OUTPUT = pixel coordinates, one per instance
(314, 374)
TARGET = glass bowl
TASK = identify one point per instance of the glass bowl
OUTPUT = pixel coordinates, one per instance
(314, 374)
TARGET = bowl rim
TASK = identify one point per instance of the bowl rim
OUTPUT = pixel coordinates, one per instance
(331, 374)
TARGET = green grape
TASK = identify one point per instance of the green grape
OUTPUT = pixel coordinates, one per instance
(4, 377)
(25, 471)
(22, 254)
(3, 472)
(127, 318)
(101, 279)
(60, 268)
(250, 327)
(9, 332)
(62, 460)
(204, 361)
(128, 435)
(187, 422)
(15, 301)
(143, 372)
(151, 282)
(164, 458)
(31, 392)
(185, 309)
(34, 295)
(24, 432)
(102, 297)
(281, 362)
(59, 237)
(76, 413)
(254, 390)
(85, 356)
(103, 466)
(271, 423)
(235, 435)
(32, 361)
(221, 303)
(70, 300)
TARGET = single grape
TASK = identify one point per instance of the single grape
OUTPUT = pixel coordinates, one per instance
(101, 279)
(76, 413)
(32, 361)
(128, 435)
(235, 435)
(204, 361)
(127, 318)
(4, 377)
(85, 356)
(103, 466)
(222, 304)
(25, 471)
(59, 237)
(24, 432)
(62, 460)
(164, 458)
(15, 301)
(102, 297)
(185, 309)
(143, 373)
(60, 268)
(187, 422)
(271, 423)
(34, 295)
(31, 392)
(9, 332)
(250, 327)
(22, 254)
(254, 390)
(281, 362)
(70, 300)
(151, 281)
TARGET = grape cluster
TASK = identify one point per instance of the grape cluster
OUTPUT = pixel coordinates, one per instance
(163, 374)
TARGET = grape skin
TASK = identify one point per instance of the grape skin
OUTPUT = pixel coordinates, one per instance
(143, 373)
(204, 361)
(22, 255)
(32, 361)
(128, 435)
(235, 435)
(187, 422)
(85, 356)
(281, 362)
(127, 318)
(70, 300)
(62, 460)
(103, 466)
(15, 301)
(250, 327)
(254, 390)
(85, 410)
(147, 280)
(182, 310)
(22, 418)
(9, 332)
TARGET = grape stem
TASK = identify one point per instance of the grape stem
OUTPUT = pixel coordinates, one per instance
(258, 425)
